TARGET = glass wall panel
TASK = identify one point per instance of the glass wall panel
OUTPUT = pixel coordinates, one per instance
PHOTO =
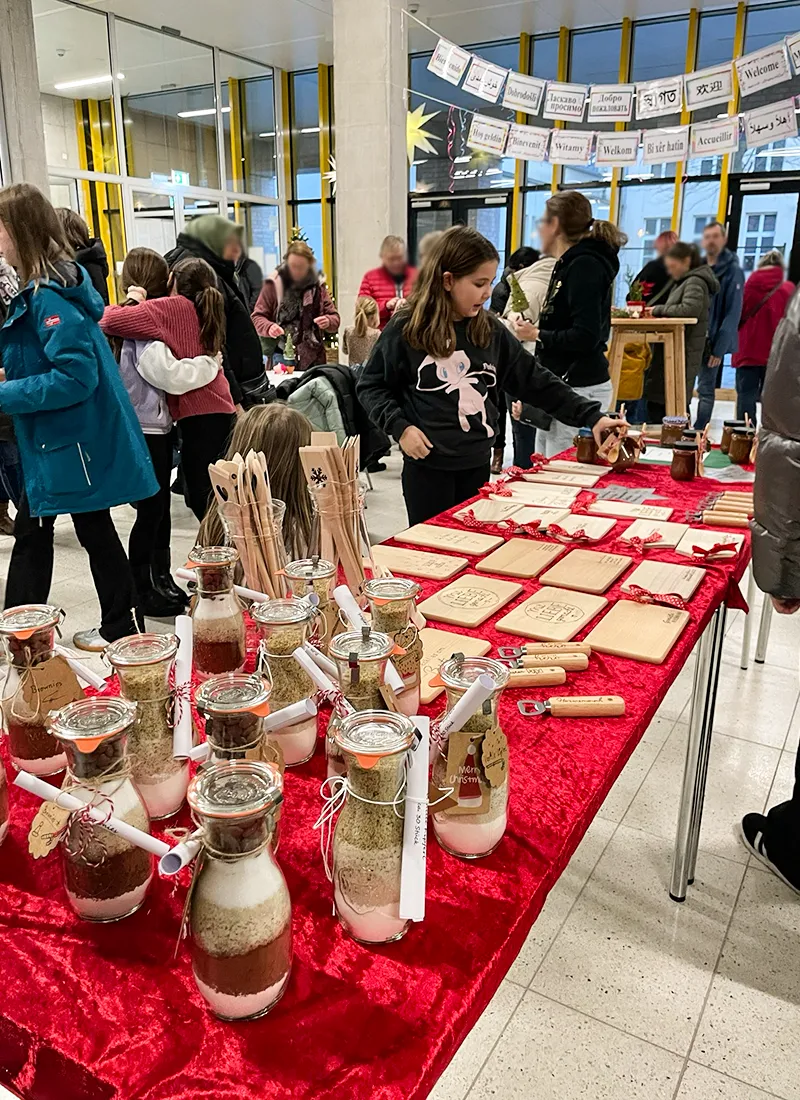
(261, 232)
(658, 50)
(594, 59)
(247, 95)
(700, 201)
(308, 217)
(645, 210)
(714, 46)
(533, 210)
(544, 56)
(153, 222)
(305, 135)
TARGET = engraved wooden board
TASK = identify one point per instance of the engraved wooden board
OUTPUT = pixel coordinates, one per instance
(619, 509)
(671, 533)
(707, 539)
(642, 631)
(418, 563)
(547, 496)
(437, 646)
(661, 576)
(447, 538)
(561, 465)
(561, 477)
(524, 558)
(552, 615)
(596, 527)
(491, 511)
(530, 513)
(470, 600)
(587, 571)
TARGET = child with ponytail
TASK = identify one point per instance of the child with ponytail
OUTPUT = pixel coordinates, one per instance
(360, 338)
(191, 322)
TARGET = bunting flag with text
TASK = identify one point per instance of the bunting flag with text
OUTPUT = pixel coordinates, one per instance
(488, 135)
(659, 97)
(711, 139)
(763, 68)
(449, 61)
(767, 124)
(527, 142)
(571, 146)
(524, 93)
(565, 102)
(663, 146)
(708, 87)
(617, 148)
(610, 103)
(484, 80)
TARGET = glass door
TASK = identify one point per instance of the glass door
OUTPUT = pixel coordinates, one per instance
(489, 215)
(154, 221)
(762, 217)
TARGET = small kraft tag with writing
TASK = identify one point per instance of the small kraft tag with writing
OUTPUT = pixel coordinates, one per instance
(50, 685)
(464, 774)
(45, 830)
(494, 757)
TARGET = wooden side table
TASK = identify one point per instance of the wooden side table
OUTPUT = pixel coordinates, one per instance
(668, 331)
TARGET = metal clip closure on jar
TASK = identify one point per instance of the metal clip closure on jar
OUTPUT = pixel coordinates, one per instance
(684, 460)
(313, 574)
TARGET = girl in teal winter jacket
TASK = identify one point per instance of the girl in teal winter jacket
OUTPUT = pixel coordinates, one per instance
(81, 446)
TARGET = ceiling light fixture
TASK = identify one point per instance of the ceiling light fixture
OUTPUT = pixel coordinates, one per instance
(204, 113)
(86, 82)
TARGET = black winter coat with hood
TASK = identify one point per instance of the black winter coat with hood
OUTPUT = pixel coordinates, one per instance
(576, 316)
(93, 258)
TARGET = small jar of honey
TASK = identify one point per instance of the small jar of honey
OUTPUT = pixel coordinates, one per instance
(741, 443)
(586, 447)
(728, 427)
(684, 460)
(671, 429)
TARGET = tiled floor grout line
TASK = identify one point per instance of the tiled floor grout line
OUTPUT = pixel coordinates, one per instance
(791, 722)
(494, 1044)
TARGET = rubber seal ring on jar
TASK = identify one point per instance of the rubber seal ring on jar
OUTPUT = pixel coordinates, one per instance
(88, 744)
(436, 681)
(367, 762)
(262, 710)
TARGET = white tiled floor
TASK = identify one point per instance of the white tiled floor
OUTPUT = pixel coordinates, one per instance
(619, 993)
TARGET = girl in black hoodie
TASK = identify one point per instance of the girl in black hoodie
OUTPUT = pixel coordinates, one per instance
(573, 326)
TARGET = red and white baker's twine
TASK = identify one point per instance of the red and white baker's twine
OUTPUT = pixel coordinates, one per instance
(639, 545)
(668, 599)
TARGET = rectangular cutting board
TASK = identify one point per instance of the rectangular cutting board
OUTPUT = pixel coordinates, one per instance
(490, 511)
(438, 646)
(560, 477)
(530, 513)
(524, 558)
(587, 571)
(596, 527)
(470, 600)
(661, 576)
(707, 539)
(447, 538)
(671, 533)
(552, 615)
(620, 510)
(418, 563)
(547, 496)
(642, 631)
(560, 465)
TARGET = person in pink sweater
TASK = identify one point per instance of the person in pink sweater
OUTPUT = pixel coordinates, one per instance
(191, 322)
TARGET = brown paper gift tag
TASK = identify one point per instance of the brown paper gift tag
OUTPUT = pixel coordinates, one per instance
(45, 830)
(464, 774)
(494, 757)
(50, 685)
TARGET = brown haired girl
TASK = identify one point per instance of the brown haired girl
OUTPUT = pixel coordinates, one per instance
(432, 379)
(87, 250)
(191, 322)
(294, 301)
(574, 323)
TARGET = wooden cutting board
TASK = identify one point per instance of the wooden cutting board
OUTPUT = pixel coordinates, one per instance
(661, 576)
(596, 527)
(587, 571)
(561, 477)
(619, 509)
(447, 538)
(437, 646)
(671, 533)
(643, 631)
(552, 615)
(470, 600)
(561, 465)
(524, 558)
(491, 511)
(707, 539)
(546, 496)
(530, 513)
(418, 563)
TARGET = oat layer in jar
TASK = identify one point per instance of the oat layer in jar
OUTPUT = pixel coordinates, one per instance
(368, 840)
(240, 911)
(234, 706)
(29, 633)
(217, 620)
(391, 602)
(360, 657)
(473, 764)
(315, 575)
(144, 663)
(106, 877)
(284, 626)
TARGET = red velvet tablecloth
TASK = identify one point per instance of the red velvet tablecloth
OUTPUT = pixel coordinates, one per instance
(98, 1012)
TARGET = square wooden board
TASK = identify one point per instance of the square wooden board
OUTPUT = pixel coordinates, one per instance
(552, 615)
(491, 511)
(448, 538)
(524, 558)
(671, 533)
(546, 496)
(529, 513)
(706, 539)
(661, 576)
(596, 527)
(562, 466)
(642, 631)
(418, 563)
(561, 477)
(438, 646)
(620, 509)
(587, 571)
(470, 600)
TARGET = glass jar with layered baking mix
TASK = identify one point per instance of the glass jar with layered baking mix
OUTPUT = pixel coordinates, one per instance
(360, 657)
(217, 619)
(284, 626)
(672, 428)
(29, 636)
(585, 446)
(741, 445)
(684, 460)
(4, 804)
(234, 706)
(106, 876)
(316, 575)
(144, 665)
(728, 428)
(473, 765)
(368, 841)
(241, 914)
(391, 602)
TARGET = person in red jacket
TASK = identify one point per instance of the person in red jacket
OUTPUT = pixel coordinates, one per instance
(392, 282)
(766, 295)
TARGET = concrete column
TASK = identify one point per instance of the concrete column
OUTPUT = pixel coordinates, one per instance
(19, 100)
(370, 73)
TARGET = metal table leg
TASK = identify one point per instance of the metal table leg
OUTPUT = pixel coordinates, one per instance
(763, 630)
(748, 619)
(706, 676)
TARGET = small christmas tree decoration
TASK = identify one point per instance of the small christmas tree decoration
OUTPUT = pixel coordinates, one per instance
(519, 303)
(298, 234)
(288, 348)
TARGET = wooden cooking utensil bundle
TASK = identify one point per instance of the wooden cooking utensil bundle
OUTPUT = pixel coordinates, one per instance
(332, 475)
(244, 501)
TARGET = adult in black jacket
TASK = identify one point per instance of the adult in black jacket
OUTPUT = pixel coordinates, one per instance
(251, 279)
(501, 292)
(218, 241)
(574, 323)
(88, 250)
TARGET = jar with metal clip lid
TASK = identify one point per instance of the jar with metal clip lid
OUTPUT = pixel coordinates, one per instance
(368, 840)
(472, 765)
(360, 657)
(144, 666)
(234, 706)
(240, 913)
(314, 574)
(284, 626)
(106, 876)
(217, 619)
(29, 636)
(391, 602)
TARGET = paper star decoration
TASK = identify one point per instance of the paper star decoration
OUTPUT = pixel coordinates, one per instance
(417, 137)
(331, 176)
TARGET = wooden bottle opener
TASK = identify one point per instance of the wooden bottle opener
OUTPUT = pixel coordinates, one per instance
(574, 706)
(532, 648)
(725, 519)
(546, 676)
(572, 662)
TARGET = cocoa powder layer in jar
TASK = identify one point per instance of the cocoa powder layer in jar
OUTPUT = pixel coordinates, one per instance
(116, 874)
(30, 740)
(236, 837)
(31, 651)
(252, 972)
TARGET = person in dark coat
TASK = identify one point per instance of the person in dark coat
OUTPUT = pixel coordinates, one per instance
(766, 295)
(219, 242)
(654, 276)
(723, 321)
(251, 278)
(523, 257)
(87, 250)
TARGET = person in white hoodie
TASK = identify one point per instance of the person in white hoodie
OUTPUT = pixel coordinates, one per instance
(533, 282)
